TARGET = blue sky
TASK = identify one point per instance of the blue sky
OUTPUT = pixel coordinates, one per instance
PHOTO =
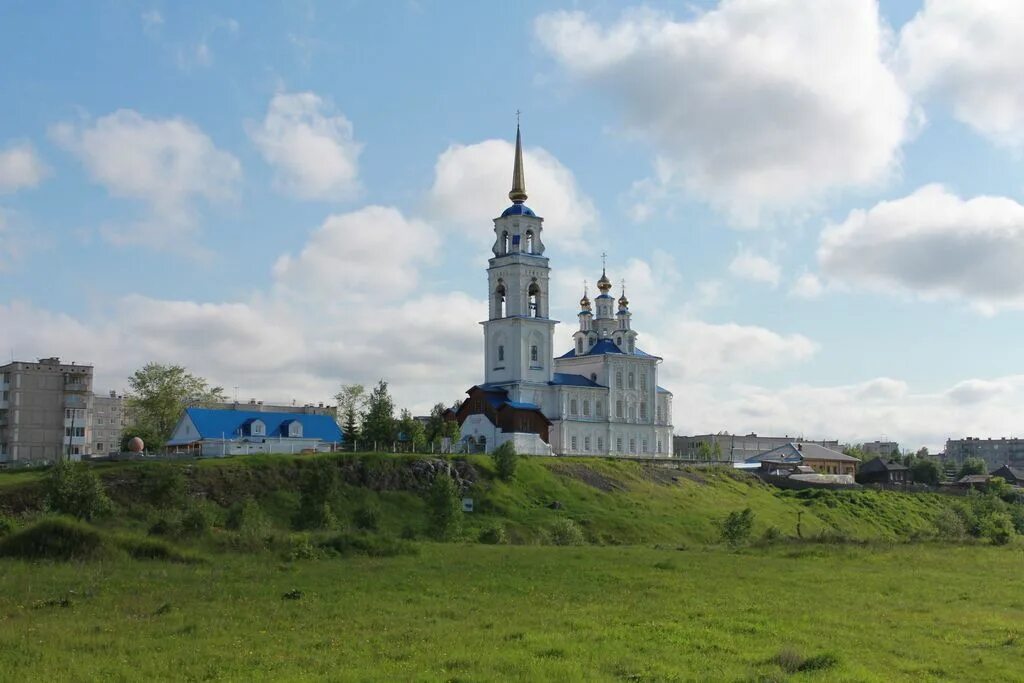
(816, 208)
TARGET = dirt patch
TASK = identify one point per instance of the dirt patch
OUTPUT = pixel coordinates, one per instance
(692, 476)
(588, 476)
(665, 476)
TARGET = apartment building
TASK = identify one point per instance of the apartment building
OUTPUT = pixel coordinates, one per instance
(881, 449)
(107, 421)
(738, 447)
(995, 452)
(44, 410)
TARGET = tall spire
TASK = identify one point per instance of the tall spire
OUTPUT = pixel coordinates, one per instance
(518, 192)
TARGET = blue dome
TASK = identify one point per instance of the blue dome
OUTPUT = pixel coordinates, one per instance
(518, 210)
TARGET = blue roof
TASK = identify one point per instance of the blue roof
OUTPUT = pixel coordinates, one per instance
(518, 210)
(605, 296)
(521, 405)
(214, 424)
(607, 346)
(663, 390)
(574, 380)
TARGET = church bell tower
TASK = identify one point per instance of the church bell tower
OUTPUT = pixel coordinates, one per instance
(518, 335)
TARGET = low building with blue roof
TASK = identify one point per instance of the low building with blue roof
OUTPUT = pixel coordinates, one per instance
(599, 398)
(217, 433)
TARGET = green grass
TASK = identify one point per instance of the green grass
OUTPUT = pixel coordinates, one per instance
(475, 612)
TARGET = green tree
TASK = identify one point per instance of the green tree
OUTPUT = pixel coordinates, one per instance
(444, 506)
(855, 452)
(435, 425)
(922, 452)
(350, 428)
(704, 451)
(159, 394)
(412, 431)
(351, 402)
(737, 526)
(318, 487)
(972, 466)
(74, 489)
(716, 452)
(925, 471)
(505, 461)
(379, 422)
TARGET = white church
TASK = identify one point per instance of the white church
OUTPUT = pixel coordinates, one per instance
(599, 398)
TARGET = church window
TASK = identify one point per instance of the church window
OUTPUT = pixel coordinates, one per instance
(632, 445)
(632, 348)
(593, 340)
(534, 295)
(501, 352)
(632, 412)
(644, 445)
(572, 407)
(618, 379)
(499, 299)
(632, 381)
(643, 381)
(593, 377)
(618, 408)
(586, 443)
(573, 443)
(529, 241)
(533, 353)
(618, 342)
(618, 444)
(586, 407)
(659, 445)
(661, 413)
(579, 346)
(643, 410)
(598, 408)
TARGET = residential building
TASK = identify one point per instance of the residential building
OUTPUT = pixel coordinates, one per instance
(599, 398)
(881, 449)
(995, 452)
(107, 419)
(44, 411)
(214, 432)
(255, 406)
(881, 471)
(1013, 475)
(822, 460)
(736, 447)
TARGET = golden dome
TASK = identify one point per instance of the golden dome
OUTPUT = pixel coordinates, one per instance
(604, 284)
(623, 301)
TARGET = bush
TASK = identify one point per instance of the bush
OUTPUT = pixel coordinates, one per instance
(505, 461)
(367, 517)
(163, 485)
(792, 662)
(7, 525)
(950, 525)
(73, 489)
(300, 547)
(444, 507)
(771, 534)
(165, 526)
(566, 532)
(246, 516)
(925, 471)
(153, 549)
(972, 466)
(54, 538)
(318, 488)
(998, 528)
(195, 522)
(737, 526)
(371, 546)
(493, 535)
(1016, 514)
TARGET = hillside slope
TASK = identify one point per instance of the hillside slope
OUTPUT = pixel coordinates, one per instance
(615, 502)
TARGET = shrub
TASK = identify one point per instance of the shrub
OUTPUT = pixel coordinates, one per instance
(493, 535)
(153, 549)
(566, 532)
(367, 517)
(998, 528)
(300, 547)
(505, 461)
(165, 526)
(771, 534)
(319, 486)
(925, 471)
(54, 538)
(73, 489)
(972, 466)
(371, 546)
(163, 485)
(195, 522)
(246, 516)
(444, 507)
(737, 525)
(1016, 514)
(950, 525)
(6, 525)
(792, 662)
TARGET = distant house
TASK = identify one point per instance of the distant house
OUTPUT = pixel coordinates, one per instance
(1013, 475)
(972, 481)
(213, 433)
(881, 471)
(820, 459)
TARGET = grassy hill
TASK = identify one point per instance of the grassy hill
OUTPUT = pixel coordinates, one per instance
(614, 501)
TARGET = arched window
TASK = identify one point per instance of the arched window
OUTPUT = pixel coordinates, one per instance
(534, 295)
(533, 353)
(579, 345)
(632, 381)
(598, 408)
(632, 346)
(618, 379)
(586, 407)
(529, 241)
(572, 407)
(499, 299)
(501, 353)
(504, 242)
(593, 377)
(643, 381)
(618, 342)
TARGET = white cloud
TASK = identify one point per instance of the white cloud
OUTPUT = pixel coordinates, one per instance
(20, 167)
(165, 163)
(755, 105)
(372, 254)
(311, 146)
(933, 244)
(152, 20)
(471, 185)
(968, 54)
(807, 286)
(750, 266)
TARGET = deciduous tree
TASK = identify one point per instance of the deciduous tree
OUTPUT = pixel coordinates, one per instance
(159, 394)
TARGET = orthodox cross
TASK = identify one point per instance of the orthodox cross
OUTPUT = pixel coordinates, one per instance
(604, 260)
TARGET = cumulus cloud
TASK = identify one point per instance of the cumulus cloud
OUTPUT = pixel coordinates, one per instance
(20, 167)
(166, 164)
(753, 106)
(807, 286)
(750, 266)
(471, 184)
(932, 244)
(311, 146)
(371, 254)
(968, 55)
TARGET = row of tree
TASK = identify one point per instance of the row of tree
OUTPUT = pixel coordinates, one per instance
(370, 418)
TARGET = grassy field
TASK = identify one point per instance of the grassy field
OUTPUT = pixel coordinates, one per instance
(473, 612)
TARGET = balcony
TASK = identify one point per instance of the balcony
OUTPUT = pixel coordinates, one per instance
(75, 386)
(74, 401)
